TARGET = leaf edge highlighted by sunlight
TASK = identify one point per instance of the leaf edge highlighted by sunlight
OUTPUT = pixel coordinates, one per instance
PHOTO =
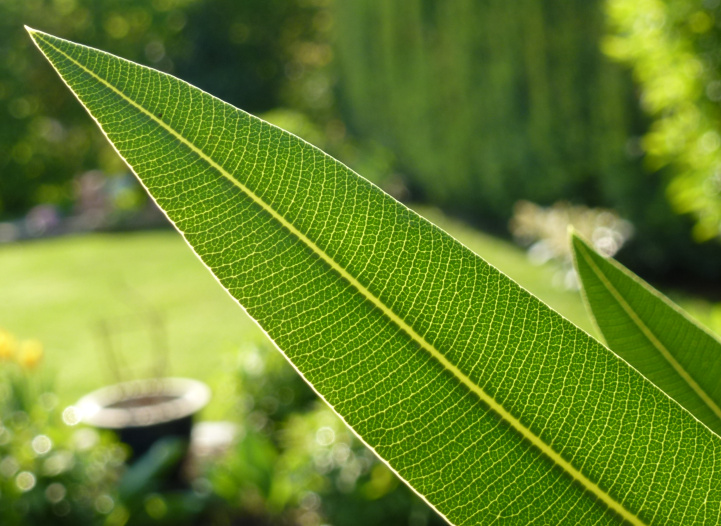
(290, 260)
(652, 333)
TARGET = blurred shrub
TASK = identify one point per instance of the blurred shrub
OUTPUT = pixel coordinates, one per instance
(252, 53)
(52, 473)
(545, 232)
(49, 473)
(297, 463)
(674, 47)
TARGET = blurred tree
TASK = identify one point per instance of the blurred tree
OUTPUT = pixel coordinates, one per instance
(674, 47)
(254, 54)
(46, 139)
(257, 54)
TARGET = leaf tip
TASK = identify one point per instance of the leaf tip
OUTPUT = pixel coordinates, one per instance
(579, 246)
(34, 34)
(39, 38)
(575, 238)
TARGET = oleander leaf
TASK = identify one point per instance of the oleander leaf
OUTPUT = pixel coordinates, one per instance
(490, 405)
(653, 334)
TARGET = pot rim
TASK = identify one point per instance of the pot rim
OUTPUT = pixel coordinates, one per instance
(188, 396)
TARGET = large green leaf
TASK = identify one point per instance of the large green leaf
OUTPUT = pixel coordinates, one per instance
(653, 334)
(490, 405)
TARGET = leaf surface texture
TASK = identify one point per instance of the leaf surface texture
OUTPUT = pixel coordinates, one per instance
(653, 334)
(490, 405)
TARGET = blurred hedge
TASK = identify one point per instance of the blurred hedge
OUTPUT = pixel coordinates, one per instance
(486, 103)
(490, 102)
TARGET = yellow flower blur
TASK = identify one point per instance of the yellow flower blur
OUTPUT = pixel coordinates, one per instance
(31, 352)
(7, 345)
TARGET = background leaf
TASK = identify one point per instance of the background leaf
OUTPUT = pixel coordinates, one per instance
(489, 404)
(653, 334)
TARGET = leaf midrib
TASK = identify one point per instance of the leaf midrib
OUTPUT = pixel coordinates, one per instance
(650, 336)
(494, 405)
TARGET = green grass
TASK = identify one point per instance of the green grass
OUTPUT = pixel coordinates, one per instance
(58, 290)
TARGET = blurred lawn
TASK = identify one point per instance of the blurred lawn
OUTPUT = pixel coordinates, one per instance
(57, 290)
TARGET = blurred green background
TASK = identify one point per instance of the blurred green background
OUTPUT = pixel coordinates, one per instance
(496, 119)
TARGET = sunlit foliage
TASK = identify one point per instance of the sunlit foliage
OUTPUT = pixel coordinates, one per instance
(674, 47)
(255, 53)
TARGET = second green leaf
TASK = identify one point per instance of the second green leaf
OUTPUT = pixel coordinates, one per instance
(653, 334)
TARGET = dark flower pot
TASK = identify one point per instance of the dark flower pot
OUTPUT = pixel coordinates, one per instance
(144, 411)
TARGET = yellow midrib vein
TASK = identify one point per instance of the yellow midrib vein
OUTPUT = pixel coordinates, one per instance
(591, 486)
(651, 337)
